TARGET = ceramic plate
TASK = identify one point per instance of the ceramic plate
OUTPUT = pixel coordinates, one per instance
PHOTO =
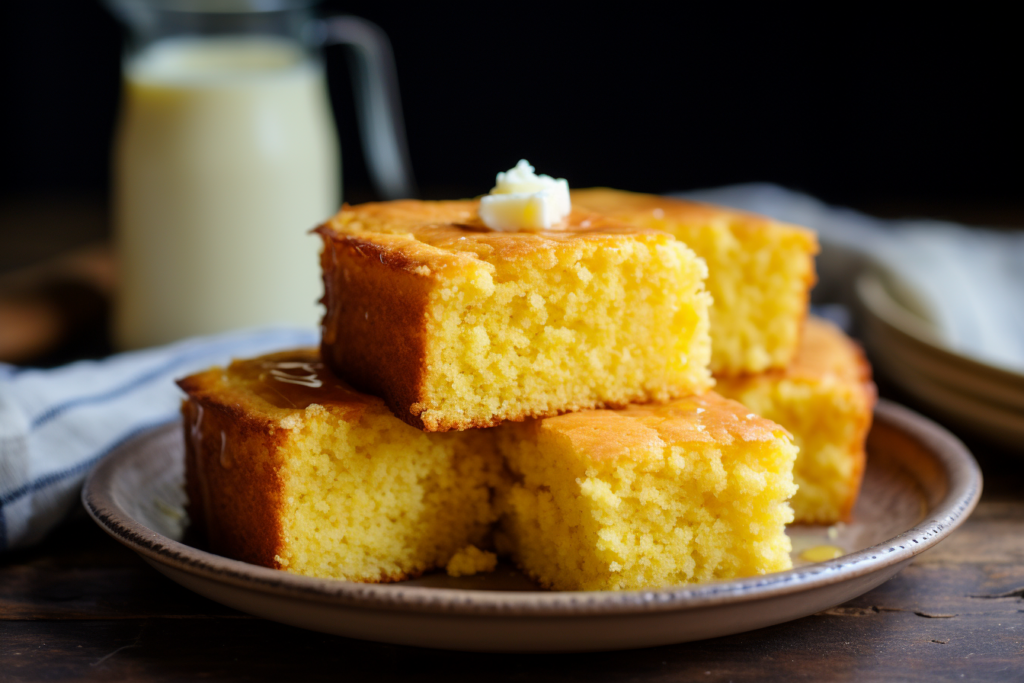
(905, 347)
(897, 320)
(920, 484)
(952, 403)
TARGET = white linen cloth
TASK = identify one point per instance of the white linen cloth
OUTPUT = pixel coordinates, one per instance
(971, 279)
(55, 424)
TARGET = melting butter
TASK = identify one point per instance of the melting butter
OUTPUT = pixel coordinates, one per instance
(523, 200)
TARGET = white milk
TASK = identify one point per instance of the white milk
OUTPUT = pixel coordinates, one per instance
(225, 157)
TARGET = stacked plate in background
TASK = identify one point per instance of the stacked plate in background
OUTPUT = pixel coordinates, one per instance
(907, 347)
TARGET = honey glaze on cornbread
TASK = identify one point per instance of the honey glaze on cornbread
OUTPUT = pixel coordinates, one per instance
(297, 379)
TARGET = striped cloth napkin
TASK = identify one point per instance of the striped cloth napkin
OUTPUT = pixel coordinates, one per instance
(55, 424)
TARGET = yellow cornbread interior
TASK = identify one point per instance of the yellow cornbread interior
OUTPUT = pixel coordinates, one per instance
(823, 417)
(556, 330)
(759, 273)
(760, 293)
(824, 399)
(378, 500)
(649, 496)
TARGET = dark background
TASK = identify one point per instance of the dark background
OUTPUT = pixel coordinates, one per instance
(857, 108)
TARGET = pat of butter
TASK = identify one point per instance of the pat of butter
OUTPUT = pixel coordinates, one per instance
(522, 200)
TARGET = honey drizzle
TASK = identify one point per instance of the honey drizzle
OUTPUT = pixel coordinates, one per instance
(296, 382)
(822, 553)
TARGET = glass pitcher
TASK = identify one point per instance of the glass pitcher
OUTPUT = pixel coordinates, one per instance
(226, 154)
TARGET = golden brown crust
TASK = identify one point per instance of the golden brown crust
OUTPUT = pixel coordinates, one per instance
(449, 224)
(236, 423)
(429, 238)
(620, 202)
(464, 423)
(234, 499)
(374, 330)
(637, 430)
(817, 333)
(233, 433)
(825, 349)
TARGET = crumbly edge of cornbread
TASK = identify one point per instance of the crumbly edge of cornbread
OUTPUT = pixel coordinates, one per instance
(417, 500)
(761, 289)
(829, 421)
(589, 324)
(304, 493)
(471, 560)
(760, 273)
(703, 512)
(825, 399)
(600, 327)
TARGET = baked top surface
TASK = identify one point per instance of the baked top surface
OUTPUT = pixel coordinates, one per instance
(422, 230)
(825, 350)
(611, 201)
(633, 431)
(279, 384)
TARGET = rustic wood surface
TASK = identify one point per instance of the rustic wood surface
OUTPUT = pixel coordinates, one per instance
(82, 607)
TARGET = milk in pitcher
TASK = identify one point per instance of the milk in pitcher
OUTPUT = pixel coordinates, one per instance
(226, 156)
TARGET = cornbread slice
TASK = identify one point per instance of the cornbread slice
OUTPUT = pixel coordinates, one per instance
(824, 398)
(760, 272)
(288, 468)
(648, 496)
(455, 326)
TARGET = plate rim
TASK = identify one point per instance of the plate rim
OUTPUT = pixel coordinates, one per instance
(892, 350)
(994, 420)
(874, 296)
(962, 472)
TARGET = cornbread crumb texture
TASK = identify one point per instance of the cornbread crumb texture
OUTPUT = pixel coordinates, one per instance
(760, 272)
(458, 328)
(825, 398)
(348, 491)
(471, 560)
(649, 496)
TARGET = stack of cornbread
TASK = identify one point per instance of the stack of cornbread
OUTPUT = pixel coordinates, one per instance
(767, 353)
(545, 394)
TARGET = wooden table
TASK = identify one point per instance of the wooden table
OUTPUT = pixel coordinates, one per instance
(80, 606)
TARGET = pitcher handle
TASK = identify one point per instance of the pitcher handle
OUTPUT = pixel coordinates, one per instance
(378, 103)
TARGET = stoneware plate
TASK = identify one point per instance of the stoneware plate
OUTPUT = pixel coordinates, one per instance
(898, 324)
(920, 485)
(906, 347)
